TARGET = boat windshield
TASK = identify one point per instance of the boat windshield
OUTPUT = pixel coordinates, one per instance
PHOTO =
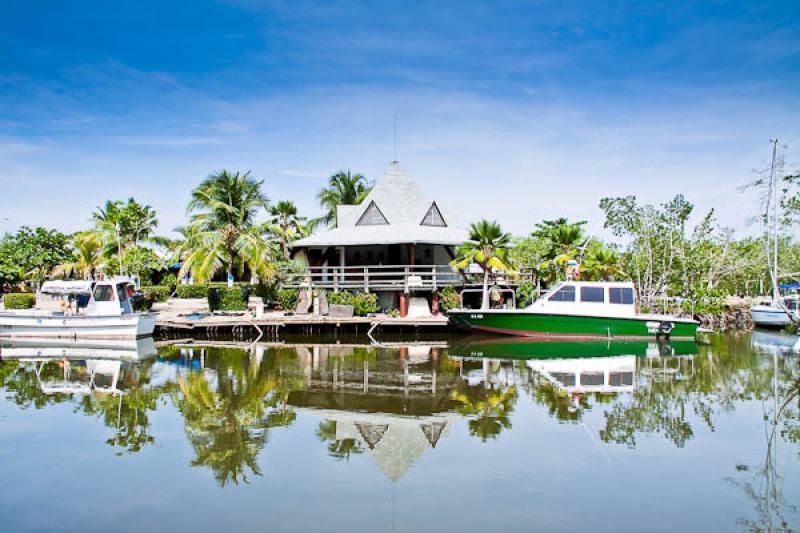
(103, 293)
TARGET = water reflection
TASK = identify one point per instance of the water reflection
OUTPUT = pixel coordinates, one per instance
(395, 403)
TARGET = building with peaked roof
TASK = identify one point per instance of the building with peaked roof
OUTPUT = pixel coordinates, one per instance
(396, 242)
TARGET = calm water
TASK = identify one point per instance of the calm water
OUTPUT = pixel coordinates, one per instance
(434, 436)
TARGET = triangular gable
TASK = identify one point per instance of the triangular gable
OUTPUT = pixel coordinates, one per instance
(433, 217)
(371, 433)
(433, 431)
(372, 217)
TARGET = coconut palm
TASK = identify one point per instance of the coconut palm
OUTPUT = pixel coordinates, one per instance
(285, 224)
(602, 264)
(222, 231)
(489, 412)
(487, 246)
(344, 188)
(121, 227)
(563, 244)
(88, 256)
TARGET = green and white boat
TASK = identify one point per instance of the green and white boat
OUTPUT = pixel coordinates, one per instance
(579, 310)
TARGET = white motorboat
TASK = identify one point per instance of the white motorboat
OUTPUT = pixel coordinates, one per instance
(777, 314)
(80, 310)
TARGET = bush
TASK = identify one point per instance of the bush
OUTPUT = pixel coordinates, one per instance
(19, 300)
(169, 280)
(363, 303)
(229, 299)
(524, 294)
(448, 299)
(192, 291)
(286, 298)
(157, 293)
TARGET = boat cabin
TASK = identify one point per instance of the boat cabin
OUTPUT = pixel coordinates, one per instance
(88, 297)
(589, 298)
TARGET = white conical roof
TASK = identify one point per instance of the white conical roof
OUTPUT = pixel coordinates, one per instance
(403, 204)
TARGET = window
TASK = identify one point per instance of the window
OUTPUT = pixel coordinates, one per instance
(372, 217)
(567, 380)
(103, 293)
(123, 293)
(433, 217)
(593, 294)
(618, 379)
(564, 294)
(593, 379)
(621, 295)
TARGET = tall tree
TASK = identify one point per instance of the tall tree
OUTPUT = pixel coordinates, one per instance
(222, 231)
(488, 246)
(31, 254)
(564, 240)
(87, 256)
(285, 224)
(344, 188)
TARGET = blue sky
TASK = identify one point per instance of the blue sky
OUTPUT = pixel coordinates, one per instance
(514, 110)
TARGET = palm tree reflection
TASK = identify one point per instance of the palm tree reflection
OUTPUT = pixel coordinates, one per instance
(228, 424)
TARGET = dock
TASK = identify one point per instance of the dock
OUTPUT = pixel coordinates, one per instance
(273, 324)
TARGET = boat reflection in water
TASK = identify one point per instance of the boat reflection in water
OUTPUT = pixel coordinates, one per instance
(85, 365)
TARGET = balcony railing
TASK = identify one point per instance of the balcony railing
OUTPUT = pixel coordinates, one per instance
(390, 278)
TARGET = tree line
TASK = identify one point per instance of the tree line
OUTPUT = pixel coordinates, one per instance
(233, 230)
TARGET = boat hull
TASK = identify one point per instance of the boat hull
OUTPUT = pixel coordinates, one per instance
(32, 325)
(543, 325)
(769, 317)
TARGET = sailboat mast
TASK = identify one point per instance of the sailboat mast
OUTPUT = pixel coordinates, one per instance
(773, 184)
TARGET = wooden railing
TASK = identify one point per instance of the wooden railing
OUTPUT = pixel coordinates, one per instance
(388, 277)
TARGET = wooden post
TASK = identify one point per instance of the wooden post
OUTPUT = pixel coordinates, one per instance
(403, 304)
(435, 303)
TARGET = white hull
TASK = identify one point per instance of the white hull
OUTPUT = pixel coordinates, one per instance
(34, 324)
(41, 349)
(767, 316)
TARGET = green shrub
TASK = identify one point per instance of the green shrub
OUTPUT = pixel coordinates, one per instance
(286, 298)
(157, 293)
(363, 303)
(524, 294)
(169, 280)
(192, 291)
(19, 300)
(448, 299)
(229, 299)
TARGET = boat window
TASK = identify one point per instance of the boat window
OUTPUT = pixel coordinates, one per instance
(620, 295)
(593, 379)
(593, 294)
(791, 304)
(566, 379)
(618, 379)
(104, 293)
(123, 293)
(564, 294)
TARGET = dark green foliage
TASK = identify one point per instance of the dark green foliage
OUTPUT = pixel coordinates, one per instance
(363, 303)
(286, 298)
(31, 254)
(525, 293)
(448, 299)
(153, 294)
(19, 300)
(192, 291)
(229, 299)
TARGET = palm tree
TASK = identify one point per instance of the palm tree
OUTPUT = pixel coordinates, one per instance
(564, 240)
(222, 231)
(489, 413)
(602, 264)
(88, 256)
(285, 223)
(108, 227)
(487, 246)
(343, 188)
